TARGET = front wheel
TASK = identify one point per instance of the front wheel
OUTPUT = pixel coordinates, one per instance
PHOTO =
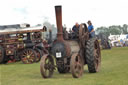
(47, 66)
(76, 66)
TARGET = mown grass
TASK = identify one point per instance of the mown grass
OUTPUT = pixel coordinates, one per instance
(114, 71)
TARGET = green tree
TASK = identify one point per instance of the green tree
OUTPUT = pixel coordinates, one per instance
(125, 29)
(103, 30)
(115, 30)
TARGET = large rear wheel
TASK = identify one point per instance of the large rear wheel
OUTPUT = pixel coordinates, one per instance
(93, 55)
(28, 56)
(47, 66)
(1, 54)
(76, 66)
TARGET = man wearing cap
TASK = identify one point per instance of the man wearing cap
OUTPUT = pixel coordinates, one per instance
(91, 29)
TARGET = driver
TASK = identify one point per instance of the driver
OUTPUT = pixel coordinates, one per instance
(75, 30)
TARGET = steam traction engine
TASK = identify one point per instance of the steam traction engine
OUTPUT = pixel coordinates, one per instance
(71, 54)
(21, 44)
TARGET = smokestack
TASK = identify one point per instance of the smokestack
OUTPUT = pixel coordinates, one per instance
(58, 11)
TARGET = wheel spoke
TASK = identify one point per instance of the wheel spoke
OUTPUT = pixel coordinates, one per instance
(29, 55)
(76, 66)
(47, 66)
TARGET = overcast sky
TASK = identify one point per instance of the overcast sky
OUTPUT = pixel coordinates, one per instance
(100, 12)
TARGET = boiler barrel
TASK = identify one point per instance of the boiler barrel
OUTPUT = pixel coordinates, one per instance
(74, 46)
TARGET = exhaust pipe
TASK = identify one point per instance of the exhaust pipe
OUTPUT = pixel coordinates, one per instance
(58, 11)
(66, 47)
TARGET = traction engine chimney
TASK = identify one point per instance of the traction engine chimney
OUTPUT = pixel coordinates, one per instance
(58, 11)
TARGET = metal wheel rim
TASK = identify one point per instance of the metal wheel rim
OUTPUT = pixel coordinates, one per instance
(83, 35)
(39, 55)
(97, 56)
(77, 70)
(28, 56)
(47, 66)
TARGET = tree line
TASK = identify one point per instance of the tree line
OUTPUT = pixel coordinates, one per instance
(114, 30)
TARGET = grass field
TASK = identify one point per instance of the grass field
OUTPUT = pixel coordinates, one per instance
(114, 71)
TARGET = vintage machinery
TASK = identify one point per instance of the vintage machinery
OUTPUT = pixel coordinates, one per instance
(105, 44)
(71, 54)
(104, 41)
(22, 44)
